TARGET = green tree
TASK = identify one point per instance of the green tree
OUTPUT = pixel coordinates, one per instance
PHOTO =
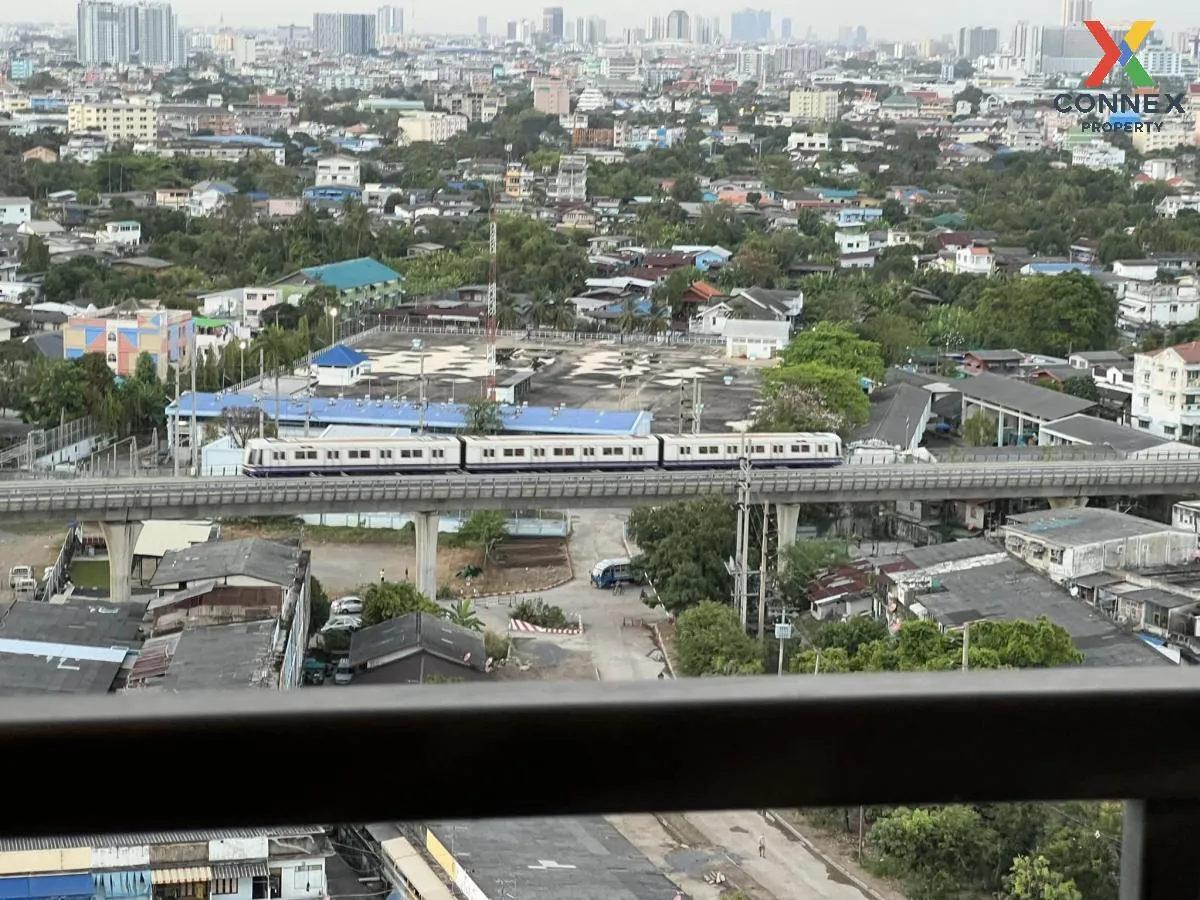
(482, 416)
(485, 529)
(393, 599)
(463, 615)
(812, 397)
(538, 612)
(836, 347)
(1082, 387)
(683, 548)
(937, 851)
(802, 561)
(979, 430)
(54, 393)
(1048, 314)
(1033, 879)
(319, 606)
(36, 257)
(709, 640)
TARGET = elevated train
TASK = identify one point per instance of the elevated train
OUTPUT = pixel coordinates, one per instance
(433, 454)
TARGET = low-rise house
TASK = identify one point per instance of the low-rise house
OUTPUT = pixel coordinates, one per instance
(416, 647)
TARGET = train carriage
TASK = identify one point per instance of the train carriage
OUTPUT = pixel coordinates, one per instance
(723, 451)
(364, 456)
(547, 453)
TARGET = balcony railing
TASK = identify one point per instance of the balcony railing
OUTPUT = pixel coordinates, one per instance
(833, 740)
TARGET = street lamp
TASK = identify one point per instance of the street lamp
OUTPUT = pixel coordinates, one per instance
(242, 360)
(333, 314)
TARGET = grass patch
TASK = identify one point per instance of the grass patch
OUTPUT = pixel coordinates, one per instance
(90, 574)
(283, 527)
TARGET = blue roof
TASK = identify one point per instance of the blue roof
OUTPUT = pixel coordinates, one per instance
(1055, 268)
(352, 274)
(244, 139)
(406, 414)
(340, 356)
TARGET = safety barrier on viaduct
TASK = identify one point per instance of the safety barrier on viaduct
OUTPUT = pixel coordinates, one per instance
(136, 500)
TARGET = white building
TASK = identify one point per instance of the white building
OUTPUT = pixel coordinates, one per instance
(121, 234)
(245, 304)
(429, 127)
(1166, 391)
(15, 210)
(1170, 207)
(1069, 544)
(1098, 156)
(339, 170)
(570, 184)
(974, 260)
(1163, 305)
(206, 197)
(807, 142)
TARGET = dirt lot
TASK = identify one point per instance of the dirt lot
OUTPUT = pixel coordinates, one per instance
(35, 546)
(342, 565)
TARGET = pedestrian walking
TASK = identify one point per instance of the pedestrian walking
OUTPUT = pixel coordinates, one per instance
(762, 846)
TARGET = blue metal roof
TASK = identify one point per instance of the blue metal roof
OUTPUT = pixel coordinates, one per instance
(340, 356)
(243, 139)
(352, 274)
(323, 411)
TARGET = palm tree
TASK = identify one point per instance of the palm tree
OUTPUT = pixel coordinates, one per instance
(463, 615)
(629, 319)
(659, 319)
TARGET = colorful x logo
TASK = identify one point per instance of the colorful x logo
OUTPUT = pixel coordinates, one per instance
(1122, 53)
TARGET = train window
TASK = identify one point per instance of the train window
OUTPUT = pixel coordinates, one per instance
(489, 453)
(589, 451)
(255, 457)
(618, 451)
(804, 448)
(519, 452)
(703, 450)
(539, 451)
(306, 454)
(758, 448)
(731, 450)
(569, 451)
(795, 448)
(684, 451)
(777, 448)
(418, 453)
(823, 448)
(279, 455)
(714, 450)
(438, 454)
(606, 451)
(385, 454)
(558, 451)
(406, 454)
(508, 451)
(637, 451)
(332, 454)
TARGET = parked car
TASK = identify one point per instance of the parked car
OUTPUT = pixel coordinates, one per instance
(344, 673)
(347, 606)
(342, 623)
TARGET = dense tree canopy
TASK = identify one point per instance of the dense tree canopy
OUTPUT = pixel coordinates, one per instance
(684, 547)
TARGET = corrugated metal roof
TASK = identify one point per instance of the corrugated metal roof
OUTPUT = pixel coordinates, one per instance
(26, 844)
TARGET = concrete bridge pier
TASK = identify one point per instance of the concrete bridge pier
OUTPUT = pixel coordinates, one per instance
(1067, 502)
(121, 539)
(427, 537)
(787, 523)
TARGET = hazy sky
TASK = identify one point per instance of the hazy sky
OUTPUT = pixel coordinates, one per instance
(906, 20)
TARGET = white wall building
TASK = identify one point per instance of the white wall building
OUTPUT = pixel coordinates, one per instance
(121, 234)
(429, 127)
(15, 210)
(1166, 391)
(1162, 305)
(339, 170)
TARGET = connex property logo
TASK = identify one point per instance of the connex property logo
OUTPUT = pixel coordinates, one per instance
(1145, 99)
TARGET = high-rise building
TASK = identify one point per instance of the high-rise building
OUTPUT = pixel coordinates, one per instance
(1075, 12)
(678, 26)
(597, 31)
(481, 26)
(750, 26)
(124, 33)
(389, 22)
(552, 24)
(976, 42)
(510, 30)
(785, 29)
(344, 34)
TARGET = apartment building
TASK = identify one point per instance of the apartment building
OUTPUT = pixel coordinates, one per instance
(570, 184)
(1159, 305)
(429, 127)
(1166, 391)
(339, 170)
(167, 335)
(117, 122)
(477, 106)
(820, 105)
(551, 96)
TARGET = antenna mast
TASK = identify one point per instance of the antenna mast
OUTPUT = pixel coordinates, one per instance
(493, 278)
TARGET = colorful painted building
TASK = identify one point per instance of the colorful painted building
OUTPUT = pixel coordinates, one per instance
(168, 335)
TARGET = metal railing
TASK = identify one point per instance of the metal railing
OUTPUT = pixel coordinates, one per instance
(541, 335)
(1015, 736)
(44, 442)
(176, 498)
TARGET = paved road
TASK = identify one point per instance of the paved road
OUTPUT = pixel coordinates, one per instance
(622, 652)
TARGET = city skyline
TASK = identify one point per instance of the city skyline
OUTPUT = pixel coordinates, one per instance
(886, 22)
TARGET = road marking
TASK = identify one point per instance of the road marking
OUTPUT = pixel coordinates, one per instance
(544, 864)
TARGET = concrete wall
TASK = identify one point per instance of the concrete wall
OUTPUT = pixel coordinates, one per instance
(72, 453)
(517, 527)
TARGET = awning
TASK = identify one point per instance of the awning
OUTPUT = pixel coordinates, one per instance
(240, 870)
(182, 875)
(27, 887)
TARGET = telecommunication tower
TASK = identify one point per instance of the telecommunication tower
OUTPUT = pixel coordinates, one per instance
(493, 279)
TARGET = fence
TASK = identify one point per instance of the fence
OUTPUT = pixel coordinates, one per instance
(667, 338)
(284, 371)
(46, 441)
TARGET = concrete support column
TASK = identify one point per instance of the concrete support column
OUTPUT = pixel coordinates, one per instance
(1067, 502)
(787, 522)
(427, 537)
(121, 538)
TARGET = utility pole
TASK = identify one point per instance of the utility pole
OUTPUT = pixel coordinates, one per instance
(783, 633)
(195, 466)
(762, 581)
(420, 385)
(697, 406)
(742, 564)
(175, 425)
